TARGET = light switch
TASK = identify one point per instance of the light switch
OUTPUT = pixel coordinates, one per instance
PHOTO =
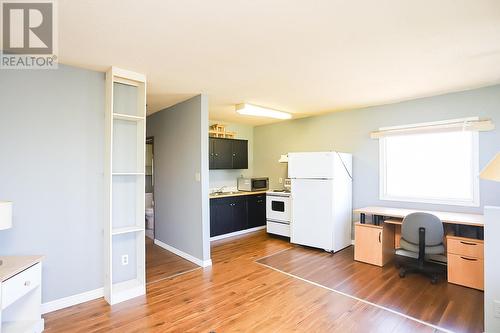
(280, 180)
(197, 177)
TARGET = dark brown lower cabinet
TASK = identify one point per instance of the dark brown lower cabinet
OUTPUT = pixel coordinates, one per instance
(256, 210)
(238, 213)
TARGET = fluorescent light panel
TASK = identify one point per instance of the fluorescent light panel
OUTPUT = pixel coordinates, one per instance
(259, 111)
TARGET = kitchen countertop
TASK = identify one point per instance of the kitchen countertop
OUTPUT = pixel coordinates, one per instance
(235, 194)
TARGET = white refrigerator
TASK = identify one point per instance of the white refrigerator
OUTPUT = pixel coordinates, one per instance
(321, 199)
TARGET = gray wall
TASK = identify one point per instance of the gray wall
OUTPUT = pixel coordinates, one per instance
(52, 141)
(349, 132)
(228, 178)
(181, 150)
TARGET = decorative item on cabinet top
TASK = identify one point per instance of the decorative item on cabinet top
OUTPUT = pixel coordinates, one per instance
(219, 131)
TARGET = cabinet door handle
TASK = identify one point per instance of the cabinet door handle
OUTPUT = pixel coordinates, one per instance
(379, 237)
(27, 283)
(467, 243)
(469, 259)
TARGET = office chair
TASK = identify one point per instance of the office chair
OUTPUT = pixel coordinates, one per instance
(421, 239)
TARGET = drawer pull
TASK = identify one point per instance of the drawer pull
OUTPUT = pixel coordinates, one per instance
(467, 243)
(470, 259)
(27, 283)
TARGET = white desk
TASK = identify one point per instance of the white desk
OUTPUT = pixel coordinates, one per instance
(447, 217)
(451, 218)
(21, 294)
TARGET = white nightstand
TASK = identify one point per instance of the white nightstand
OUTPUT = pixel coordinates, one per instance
(21, 294)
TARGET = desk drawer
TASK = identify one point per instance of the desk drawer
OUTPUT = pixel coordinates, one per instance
(465, 246)
(466, 271)
(20, 284)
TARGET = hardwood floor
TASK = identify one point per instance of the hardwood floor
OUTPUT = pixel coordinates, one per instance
(446, 305)
(162, 264)
(235, 294)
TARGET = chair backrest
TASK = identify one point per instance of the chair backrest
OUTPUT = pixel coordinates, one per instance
(434, 230)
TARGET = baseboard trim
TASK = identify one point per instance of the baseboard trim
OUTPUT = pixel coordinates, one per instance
(207, 263)
(187, 256)
(128, 294)
(65, 302)
(236, 233)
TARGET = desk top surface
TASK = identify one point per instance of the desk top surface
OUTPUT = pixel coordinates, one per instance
(13, 265)
(446, 217)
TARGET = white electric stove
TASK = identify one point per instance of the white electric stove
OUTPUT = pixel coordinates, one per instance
(278, 213)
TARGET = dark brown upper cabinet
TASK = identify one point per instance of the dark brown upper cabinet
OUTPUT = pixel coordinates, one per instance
(228, 154)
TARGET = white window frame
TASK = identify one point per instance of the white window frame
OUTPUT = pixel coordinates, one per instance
(475, 202)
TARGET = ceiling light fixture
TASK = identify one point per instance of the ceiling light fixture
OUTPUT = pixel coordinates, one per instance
(259, 111)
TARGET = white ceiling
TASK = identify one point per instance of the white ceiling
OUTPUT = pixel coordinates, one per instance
(305, 57)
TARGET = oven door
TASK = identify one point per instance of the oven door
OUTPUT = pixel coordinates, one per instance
(278, 208)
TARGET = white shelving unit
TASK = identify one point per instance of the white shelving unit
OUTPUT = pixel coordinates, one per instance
(124, 231)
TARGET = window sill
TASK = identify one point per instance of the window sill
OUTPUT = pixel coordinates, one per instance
(449, 202)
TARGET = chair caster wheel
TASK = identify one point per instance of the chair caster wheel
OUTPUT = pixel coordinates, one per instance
(402, 273)
(434, 280)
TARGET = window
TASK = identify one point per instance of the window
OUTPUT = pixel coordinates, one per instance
(438, 167)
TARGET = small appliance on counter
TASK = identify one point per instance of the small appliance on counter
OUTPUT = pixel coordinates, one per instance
(287, 185)
(253, 184)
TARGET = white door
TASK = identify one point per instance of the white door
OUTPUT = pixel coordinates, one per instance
(311, 165)
(312, 213)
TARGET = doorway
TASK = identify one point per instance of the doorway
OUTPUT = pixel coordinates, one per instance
(149, 190)
(160, 263)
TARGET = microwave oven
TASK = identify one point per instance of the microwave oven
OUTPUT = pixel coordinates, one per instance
(253, 184)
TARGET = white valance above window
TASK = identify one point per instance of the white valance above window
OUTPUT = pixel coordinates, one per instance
(463, 124)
